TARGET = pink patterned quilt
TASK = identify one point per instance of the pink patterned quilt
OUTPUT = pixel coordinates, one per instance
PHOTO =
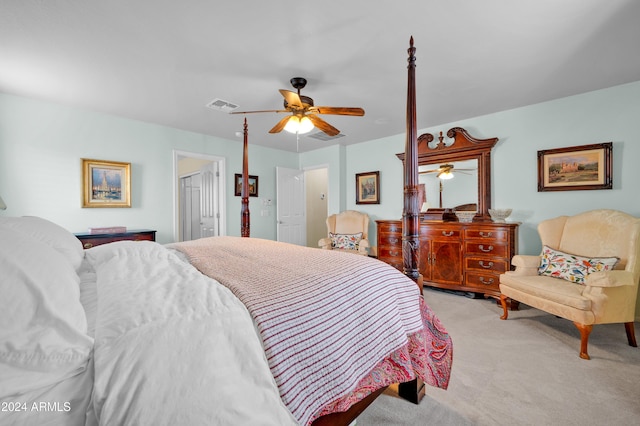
(335, 326)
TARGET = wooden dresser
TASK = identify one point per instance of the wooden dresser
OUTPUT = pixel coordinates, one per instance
(91, 240)
(457, 256)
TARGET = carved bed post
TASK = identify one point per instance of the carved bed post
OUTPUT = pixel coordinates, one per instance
(411, 211)
(414, 390)
(244, 212)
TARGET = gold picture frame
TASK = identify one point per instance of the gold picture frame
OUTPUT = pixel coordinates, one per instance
(106, 183)
(368, 188)
(576, 168)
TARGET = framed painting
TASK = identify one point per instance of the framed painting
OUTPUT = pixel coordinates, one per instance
(576, 168)
(368, 188)
(106, 183)
(253, 185)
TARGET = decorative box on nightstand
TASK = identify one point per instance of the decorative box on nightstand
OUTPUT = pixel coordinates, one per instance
(91, 240)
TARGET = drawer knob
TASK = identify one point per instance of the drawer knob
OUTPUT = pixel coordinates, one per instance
(486, 250)
(447, 234)
(393, 240)
(486, 282)
(486, 234)
(487, 266)
(393, 253)
(88, 245)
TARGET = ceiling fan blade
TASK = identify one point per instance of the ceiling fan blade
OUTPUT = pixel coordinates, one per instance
(359, 112)
(292, 98)
(323, 125)
(252, 112)
(278, 127)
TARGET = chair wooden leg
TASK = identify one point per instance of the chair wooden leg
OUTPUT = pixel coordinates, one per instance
(585, 330)
(503, 302)
(631, 335)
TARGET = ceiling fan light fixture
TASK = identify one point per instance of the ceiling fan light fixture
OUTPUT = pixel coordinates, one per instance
(298, 125)
(445, 175)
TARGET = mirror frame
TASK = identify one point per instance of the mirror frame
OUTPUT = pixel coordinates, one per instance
(464, 147)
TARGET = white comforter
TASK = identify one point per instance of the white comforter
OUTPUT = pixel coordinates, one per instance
(156, 362)
(129, 333)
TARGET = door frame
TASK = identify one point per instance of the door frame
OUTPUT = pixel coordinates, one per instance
(177, 156)
(326, 193)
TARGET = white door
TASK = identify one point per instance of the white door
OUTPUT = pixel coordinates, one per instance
(290, 206)
(209, 201)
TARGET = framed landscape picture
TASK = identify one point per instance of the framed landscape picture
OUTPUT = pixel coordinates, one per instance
(253, 185)
(368, 188)
(575, 168)
(106, 183)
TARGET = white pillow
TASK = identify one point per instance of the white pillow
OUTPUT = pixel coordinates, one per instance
(50, 234)
(43, 327)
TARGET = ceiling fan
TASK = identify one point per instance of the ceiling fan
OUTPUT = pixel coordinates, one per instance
(445, 171)
(304, 115)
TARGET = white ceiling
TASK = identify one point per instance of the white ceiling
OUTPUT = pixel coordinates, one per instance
(161, 61)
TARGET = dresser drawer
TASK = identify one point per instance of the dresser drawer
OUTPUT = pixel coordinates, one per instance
(390, 227)
(389, 239)
(499, 235)
(484, 281)
(498, 266)
(489, 248)
(440, 233)
(386, 252)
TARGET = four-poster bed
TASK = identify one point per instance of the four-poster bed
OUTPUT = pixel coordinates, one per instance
(413, 390)
(245, 215)
(240, 330)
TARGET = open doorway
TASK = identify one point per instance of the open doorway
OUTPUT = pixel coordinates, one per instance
(199, 195)
(316, 184)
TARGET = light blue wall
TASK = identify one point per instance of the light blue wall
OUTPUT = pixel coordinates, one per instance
(610, 115)
(41, 145)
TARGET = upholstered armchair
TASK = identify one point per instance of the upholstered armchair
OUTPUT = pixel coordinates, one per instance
(588, 272)
(348, 232)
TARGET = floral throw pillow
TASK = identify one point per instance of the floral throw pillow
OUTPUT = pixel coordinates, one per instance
(572, 267)
(345, 241)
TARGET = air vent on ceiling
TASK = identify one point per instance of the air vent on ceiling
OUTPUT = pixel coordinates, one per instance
(221, 105)
(324, 137)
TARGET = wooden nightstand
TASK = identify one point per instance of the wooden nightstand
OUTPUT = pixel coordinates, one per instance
(91, 240)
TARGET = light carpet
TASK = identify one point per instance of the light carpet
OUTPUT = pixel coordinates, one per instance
(522, 371)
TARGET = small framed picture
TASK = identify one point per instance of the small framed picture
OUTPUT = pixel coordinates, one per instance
(106, 183)
(368, 188)
(575, 168)
(253, 185)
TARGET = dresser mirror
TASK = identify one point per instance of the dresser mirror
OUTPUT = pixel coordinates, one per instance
(464, 153)
(461, 189)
